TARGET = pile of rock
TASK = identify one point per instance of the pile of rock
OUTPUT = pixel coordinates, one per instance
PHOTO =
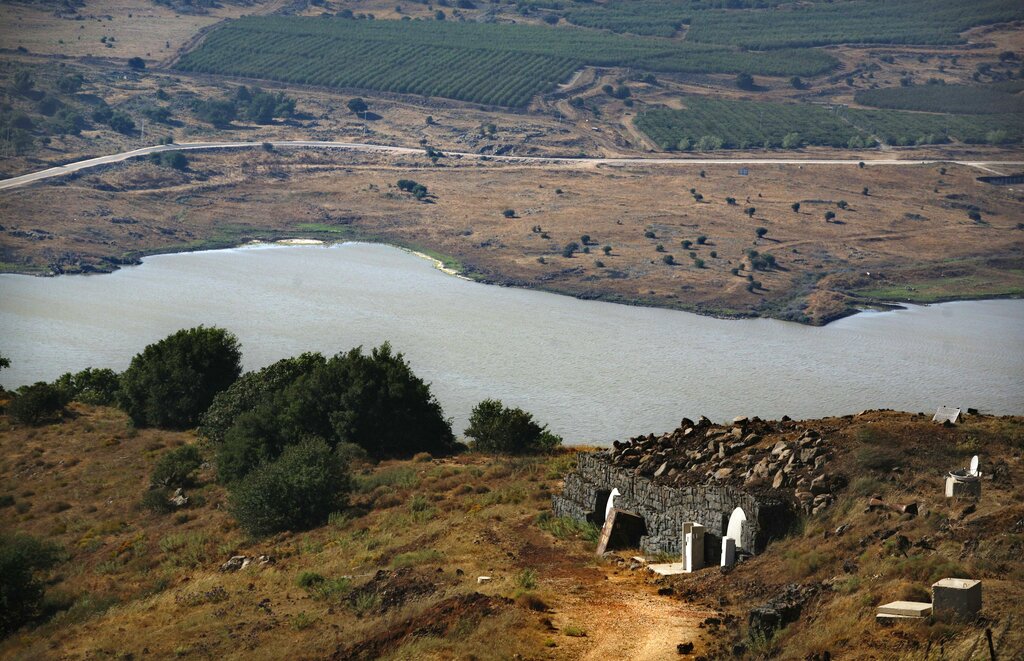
(752, 453)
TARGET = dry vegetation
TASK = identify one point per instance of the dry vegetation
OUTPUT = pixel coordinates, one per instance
(913, 226)
(433, 525)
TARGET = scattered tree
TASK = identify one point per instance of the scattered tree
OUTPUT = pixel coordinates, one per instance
(829, 215)
(669, 259)
(761, 231)
(509, 213)
(36, 403)
(91, 386)
(745, 81)
(795, 207)
(731, 201)
(701, 240)
(172, 382)
(607, 250)
(137, 63)
(570, 249)
(498, 429)
(751, 211)
(22, 558)
(842, 204)
(297, 491)
(175, 468)
(358, 106)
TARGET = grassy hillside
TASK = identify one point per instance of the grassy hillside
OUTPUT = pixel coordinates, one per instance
(394, 575)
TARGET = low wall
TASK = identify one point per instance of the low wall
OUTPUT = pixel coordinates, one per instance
(665, 508)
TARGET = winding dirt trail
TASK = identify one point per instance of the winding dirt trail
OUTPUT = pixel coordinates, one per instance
(550, 161)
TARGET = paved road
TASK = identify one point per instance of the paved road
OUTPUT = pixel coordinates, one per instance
(60, 170)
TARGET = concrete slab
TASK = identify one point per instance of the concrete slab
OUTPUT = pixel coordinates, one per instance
(906, 609)
(668, 569)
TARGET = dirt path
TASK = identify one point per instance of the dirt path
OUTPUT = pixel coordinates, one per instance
(625, 619)
(549, 161)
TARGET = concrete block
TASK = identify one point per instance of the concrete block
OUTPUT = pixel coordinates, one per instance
(728, 551)
(957, 598)
(905, 609)
(668, 569)
(962, 489)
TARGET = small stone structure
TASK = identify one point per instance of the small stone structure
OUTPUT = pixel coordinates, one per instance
(965, 482)
(956, 598)
(665, 510)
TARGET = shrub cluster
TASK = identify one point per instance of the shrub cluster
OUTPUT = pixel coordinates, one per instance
(498, 429)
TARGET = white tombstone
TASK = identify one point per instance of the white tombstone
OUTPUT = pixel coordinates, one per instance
(728, 551)
(693, 546)
(611, 503)
(974, 467)
(735, 528)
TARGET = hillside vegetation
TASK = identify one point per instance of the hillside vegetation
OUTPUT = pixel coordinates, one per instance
(707, 124)
(393, 574)
(492, 64)
(773, 24)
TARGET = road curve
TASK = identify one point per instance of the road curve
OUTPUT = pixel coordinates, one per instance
(61, 170)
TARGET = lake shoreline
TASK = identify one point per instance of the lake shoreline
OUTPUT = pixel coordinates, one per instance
(451, 266)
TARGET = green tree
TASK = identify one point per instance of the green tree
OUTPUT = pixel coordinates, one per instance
(829, 215)
(607, 250)
(36, 403)
(374, 401)
(296, 492)
(176, 468)
(796, 207)
(172, 382)
(90, 386)
(570, 249)
(751, 211)
(23, 82)
(761, 231)
(252, 390)
(21, 592)
(358, 106)
(509, 213)
(745, 81)
(497, 429)
(70, 83)
(137, 63)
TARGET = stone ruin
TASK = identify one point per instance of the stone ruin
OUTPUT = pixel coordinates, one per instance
(730, 480)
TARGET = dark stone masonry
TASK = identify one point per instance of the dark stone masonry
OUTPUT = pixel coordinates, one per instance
(665, 508)
(703, 473)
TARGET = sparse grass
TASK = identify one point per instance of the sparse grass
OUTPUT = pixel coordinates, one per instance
(526, 579)
(566, 528)
(396, 476)
(186, 549)
(414, 558)
(574, 631)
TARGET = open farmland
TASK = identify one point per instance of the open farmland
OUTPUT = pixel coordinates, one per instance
(774, 24)
(501, 65)
(743, 124)
(960, 99)
(908, 128)
(708, 124)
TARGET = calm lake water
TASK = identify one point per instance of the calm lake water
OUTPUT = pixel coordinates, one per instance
(593, 371)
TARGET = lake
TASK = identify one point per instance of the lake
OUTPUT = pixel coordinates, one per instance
(593, 371)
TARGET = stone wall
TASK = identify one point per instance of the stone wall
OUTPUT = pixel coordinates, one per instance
(666, 508)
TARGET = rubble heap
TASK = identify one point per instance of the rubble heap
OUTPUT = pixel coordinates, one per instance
(752, 454)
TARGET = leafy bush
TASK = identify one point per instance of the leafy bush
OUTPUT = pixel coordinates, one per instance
(34, 404)
(21, 592)
(175, 468)
(297, 491)
(251, 390)
(374, 401)
(172, 382)
(158, 500)
(497, 429)
(91, 386)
